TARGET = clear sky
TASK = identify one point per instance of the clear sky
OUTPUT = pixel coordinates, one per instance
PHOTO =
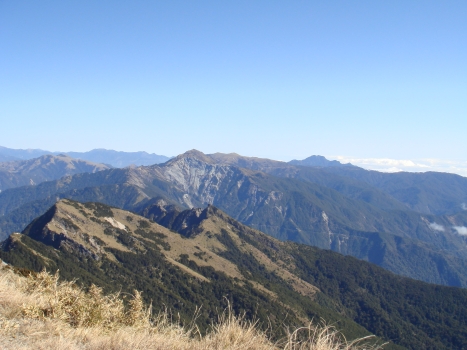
(353, 79)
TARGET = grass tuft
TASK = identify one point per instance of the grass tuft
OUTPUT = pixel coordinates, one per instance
(40, 312)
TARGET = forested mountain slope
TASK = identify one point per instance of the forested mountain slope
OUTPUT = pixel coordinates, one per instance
(288, 207)
(215, 258)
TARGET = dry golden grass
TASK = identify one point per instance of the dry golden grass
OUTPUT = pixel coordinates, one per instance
(39, 312)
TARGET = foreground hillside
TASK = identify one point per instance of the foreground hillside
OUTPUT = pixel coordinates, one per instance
(118, 250)
(213, 261)
(38, 312)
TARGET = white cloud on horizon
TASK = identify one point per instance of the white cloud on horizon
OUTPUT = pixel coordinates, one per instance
(436, 227)
(417, 165)
(461, 230)
(463, 206)
(393, 170)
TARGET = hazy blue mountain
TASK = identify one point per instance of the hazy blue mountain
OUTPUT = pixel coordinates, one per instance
(116, 159)
(319, 161)
(429, 192)
(6, 158)
(119, 159)
(21, 154)
(45, 168)
(348, 186)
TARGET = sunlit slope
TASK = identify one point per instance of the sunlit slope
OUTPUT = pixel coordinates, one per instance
(123, 251)
(216, 259)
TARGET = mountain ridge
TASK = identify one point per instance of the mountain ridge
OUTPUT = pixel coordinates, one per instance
(93, 236)
(91, 240)
(44, 168)
(117, 159)
(421, 246)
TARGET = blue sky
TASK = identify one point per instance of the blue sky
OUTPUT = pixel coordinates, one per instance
(279, 79)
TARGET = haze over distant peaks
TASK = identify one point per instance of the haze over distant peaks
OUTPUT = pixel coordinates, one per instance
(117, 159)
(9, 154)
(318, 161)
(44, 168)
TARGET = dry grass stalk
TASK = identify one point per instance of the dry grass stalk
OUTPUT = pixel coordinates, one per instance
(39, 312)
(66, 302)
(325, 337)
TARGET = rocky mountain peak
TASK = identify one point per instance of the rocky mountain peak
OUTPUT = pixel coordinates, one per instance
(193, 154)
(184, 222)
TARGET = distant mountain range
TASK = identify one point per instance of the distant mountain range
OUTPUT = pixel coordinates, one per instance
(110, 157)
(397, 221)
(319, 161)
(5, 158)
(44, 168)
(9, 154)
(203, 259)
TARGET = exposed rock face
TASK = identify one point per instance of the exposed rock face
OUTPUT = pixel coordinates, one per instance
(58, 228)
(197, 178)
